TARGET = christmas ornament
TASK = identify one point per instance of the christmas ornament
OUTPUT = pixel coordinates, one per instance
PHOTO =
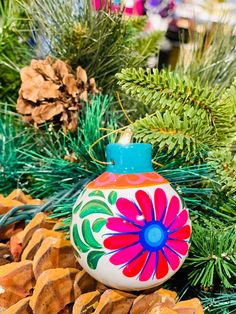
(130, 228)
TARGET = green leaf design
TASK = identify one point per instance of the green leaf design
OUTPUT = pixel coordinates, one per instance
(112, 197)
(78, 242)
(77, 208)
(98, 224)
(95, 207)
(97, 193)
(93, 258)
(88, 236)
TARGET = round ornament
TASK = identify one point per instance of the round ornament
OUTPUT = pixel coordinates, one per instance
(130, 228)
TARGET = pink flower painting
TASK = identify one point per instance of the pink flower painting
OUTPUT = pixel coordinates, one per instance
(149, 238)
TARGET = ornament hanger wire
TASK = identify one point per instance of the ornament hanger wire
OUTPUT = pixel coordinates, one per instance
(98, 140)
(127, 134)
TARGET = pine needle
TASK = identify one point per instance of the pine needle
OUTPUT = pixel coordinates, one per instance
(212, 56)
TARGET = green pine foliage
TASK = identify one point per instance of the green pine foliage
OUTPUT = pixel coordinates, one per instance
(14, 48)
(145, 45)
(230, 94)
(182, 117)
(13, 138)
(212, 257)
(168, 132)
(100, 41)
(229, 208)
(64, 158)
(212, 55)
(218, 303)
(45, 162)
(224, 164)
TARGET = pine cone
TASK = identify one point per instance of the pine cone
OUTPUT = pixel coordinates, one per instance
(49, 92)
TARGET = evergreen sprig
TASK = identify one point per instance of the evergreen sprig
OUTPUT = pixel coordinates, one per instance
(13, 138)
(219, 303)
(15, 49)
(102, 42)
(182, 116)
(212, 258)
(230, 95)
(173, 134)
(224, 164)
(146, 45)
(211, 59)
(59, 160)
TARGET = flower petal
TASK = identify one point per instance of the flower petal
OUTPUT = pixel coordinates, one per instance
(149, 267)
(162, 266)
(160, 203)
(181, 234)
(179, 221)
(145, 204)
(121, 240)
(173, 209)
(130, 210)
(121, 225)
(135, 266)
(127, 254)
(179, 246)
(173, 259)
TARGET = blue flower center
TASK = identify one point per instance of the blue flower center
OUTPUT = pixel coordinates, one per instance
(153, 236)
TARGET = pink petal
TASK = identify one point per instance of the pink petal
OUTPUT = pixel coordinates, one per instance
(179, 246)
(134, 267)
(127, 254)
(173, 259)
(121, 225)
(180, 220)
(172, 210)
(181, 234)
(119, 241)
(162, 266)
(160, 203)
(149, 267)
(129, 210)
(145, 204)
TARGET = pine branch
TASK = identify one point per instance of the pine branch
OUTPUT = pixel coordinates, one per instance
(212, 259)
(230, 95)
(215, 303)
(183, 115)
(100, 41)
(59, 160)
(154, 88)
(146, 45)
(228, 207)
(15, 50)
(211, 58)
(168, 132)
(225, 166)
(13, 137)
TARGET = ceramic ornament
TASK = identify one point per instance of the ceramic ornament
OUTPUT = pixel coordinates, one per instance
(130, 228)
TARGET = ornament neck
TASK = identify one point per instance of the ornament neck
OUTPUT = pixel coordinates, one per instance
(131, 158)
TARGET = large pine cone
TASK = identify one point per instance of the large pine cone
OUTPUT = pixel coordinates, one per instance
(49, 92)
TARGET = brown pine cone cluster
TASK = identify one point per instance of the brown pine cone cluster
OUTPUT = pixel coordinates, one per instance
(50, 92)
(45, 278)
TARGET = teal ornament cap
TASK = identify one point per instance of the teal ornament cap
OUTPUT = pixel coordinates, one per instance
(130, 158)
